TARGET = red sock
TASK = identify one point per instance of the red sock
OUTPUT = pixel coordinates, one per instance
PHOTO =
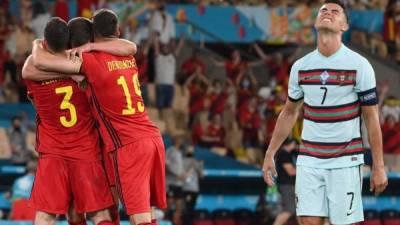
(105, 222)
(83, 222)
(154, 222)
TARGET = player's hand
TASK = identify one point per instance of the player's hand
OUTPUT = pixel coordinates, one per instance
(37, 42)
(269, 169)
(77, 52)
(378, 180)
(77, 78)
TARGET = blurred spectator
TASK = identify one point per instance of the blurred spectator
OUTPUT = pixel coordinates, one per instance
(39, 20)
(246, 86)
(165, 65)
(391, 26)
(392, 108)
(133, 30)
(143, 67)
(19, 45)
(61, 9)
(175, 177)
(21, 192)
(189, 66)
(86, 7)
(200, 123)
(17, 137)
(215, 132)
(211, 134)
(191, 186)
(22, 12)
(286, 169)
(250, 122)
(390, 129)
(4, 34)
(278, 64)
(162, 24)
(198, 84)
(235, 65)
(391, 145)
(219, 95)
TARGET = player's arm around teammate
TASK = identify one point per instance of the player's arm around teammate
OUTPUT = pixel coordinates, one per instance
(30, 72)
(45, 61)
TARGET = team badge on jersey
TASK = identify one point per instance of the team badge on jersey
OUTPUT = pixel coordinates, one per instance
(324, 77)
(342, 78)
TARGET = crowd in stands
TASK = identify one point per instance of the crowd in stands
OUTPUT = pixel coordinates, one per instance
(233, 116)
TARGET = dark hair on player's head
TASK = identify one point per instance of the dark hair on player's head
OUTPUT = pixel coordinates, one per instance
(105, 23)
(56, 34)
(80, 31)
(342, 5)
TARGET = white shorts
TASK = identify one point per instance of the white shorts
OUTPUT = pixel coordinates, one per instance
(332, 193)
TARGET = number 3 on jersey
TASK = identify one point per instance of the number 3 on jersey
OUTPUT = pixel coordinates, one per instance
(66, 104)
(129, 110)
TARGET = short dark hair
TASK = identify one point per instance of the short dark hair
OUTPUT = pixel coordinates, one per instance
(342, 5)
(105, 23)
(56, 34)
(80, 31)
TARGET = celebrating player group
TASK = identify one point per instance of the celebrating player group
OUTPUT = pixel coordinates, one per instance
(96, 143)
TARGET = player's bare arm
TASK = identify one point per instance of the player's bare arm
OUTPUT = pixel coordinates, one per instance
(46, 61)
(30, 72)
(286, 120)
(378, 181)
(114, 46)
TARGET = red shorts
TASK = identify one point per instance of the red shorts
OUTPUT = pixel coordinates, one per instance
(108, 167)
(60, 182)
(140, 175)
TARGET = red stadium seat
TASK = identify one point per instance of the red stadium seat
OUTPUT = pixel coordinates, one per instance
(203, 222)
(202, 217)
(390, 217)
(372, 222)
(371, 217)
(243, 217)
(223, 217)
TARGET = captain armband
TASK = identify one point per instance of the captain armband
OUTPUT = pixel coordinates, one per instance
(368, 97)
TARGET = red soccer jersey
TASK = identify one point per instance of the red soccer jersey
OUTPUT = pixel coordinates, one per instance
(116, 94)
(65, 126)
(233, 70)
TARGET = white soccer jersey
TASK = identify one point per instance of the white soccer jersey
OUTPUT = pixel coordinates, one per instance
(334, 88)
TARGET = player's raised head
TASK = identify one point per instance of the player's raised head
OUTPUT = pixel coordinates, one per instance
(56, 34)
(105, 24)
(80, 31)
(332, 16)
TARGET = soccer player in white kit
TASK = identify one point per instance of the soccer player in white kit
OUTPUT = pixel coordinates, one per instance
(337, 88)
